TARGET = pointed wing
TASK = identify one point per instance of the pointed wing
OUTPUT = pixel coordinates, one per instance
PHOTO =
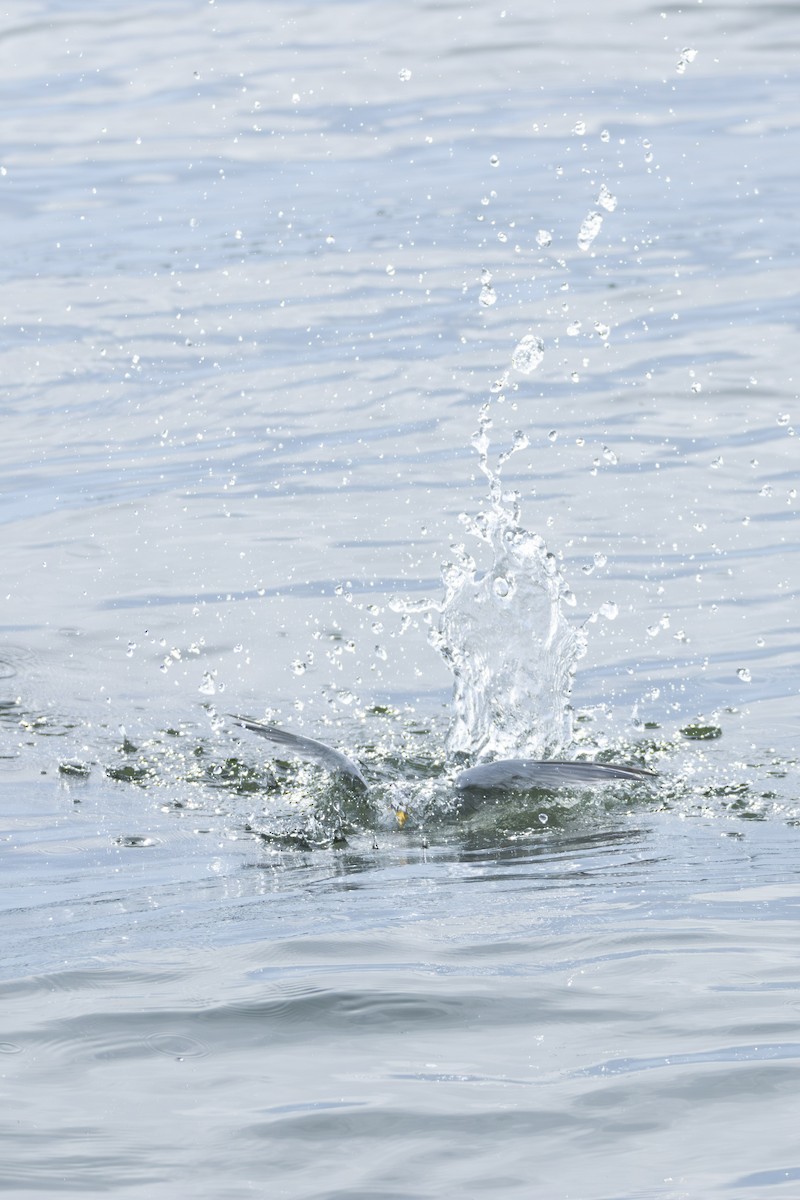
(525, 774)
(304, 748)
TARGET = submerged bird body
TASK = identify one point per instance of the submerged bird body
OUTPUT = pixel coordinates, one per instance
(503, 775)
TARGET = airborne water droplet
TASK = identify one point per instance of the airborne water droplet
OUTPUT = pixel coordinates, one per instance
(687, 56)
(590, 227)
(606, 199)
(543, 238)
(744, 674)
(528, 354)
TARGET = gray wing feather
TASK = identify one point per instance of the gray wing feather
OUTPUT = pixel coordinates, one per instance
(525, 774)
(305, 748)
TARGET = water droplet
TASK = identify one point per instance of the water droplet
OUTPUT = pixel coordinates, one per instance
(389, 269)
(579, 128)
(299, 667)
(744, 674)
(606, 199)
(553, 435)
(404, 75)
(208, 687)
(760, 642)
(528, 354)
(687, 56)
(697, 387)
(610, 456)
(501, 586)
(543, 818)
(590, 227)
(600, 560)
(605, 136)
(131, 648)
(544, 238)
(716, 463)
(602, 330)
(766, 490)
(494, 161)
(574, 329)
(486, 276)
(487, 296)
(784, 418)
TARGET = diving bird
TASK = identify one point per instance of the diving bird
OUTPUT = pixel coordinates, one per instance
(503, 775)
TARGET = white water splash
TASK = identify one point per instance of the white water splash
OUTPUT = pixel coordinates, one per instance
(503, 632)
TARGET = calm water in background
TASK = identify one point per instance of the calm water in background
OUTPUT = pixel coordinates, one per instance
(243, 353)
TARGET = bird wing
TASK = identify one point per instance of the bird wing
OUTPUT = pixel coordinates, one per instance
(525, 774)
(305, 748)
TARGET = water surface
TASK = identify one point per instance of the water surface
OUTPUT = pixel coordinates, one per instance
(245, 343)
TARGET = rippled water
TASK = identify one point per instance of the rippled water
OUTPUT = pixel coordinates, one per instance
(264, 266)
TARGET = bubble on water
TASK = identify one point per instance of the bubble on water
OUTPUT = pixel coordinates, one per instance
(744, 674)
(590, 227)
(487, 296)
(528, 354)
(606, 199)
(543, 818)
(544, 238)
(574, 329)
(687, 56)
(404, 74)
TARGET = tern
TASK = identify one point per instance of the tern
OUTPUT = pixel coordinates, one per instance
(502, 775)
